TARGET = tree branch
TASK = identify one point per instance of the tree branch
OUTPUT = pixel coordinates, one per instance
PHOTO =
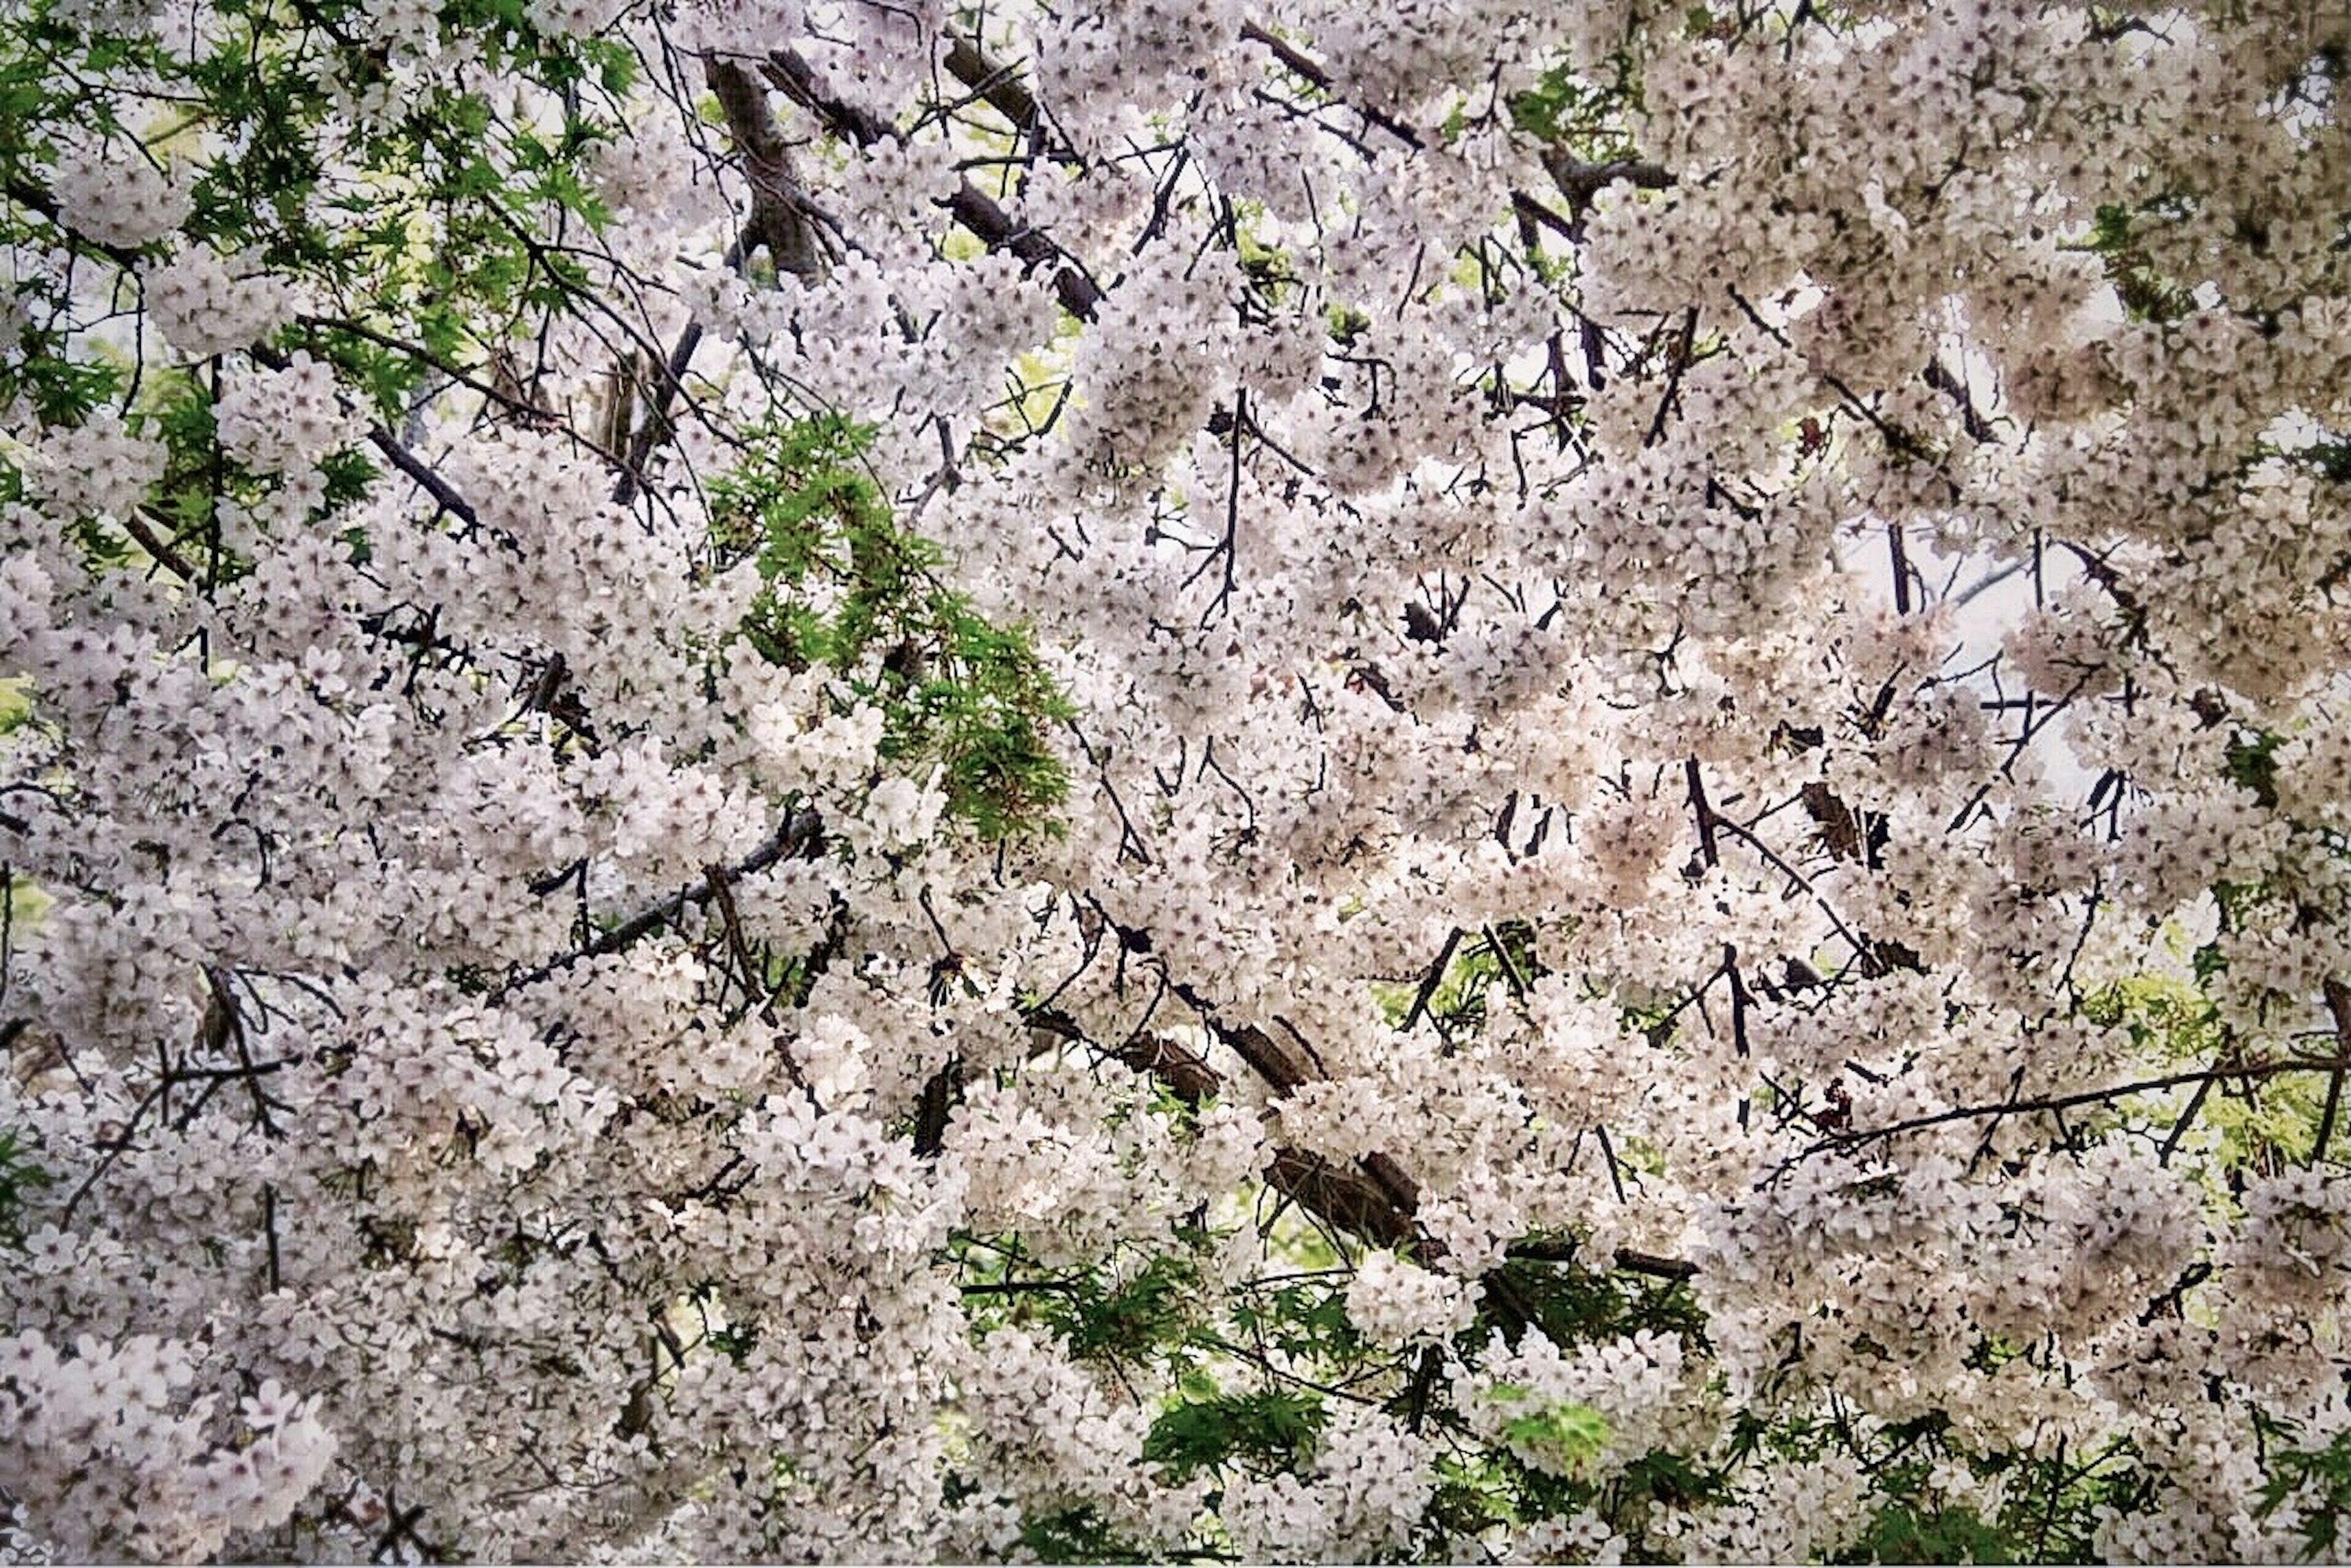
(970, 206)
(778, 223)
(799, 836)
(2339, 1008)
(2247, 1072)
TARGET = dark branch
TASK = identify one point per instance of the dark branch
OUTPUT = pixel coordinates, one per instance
(778, 223)
(800, 836)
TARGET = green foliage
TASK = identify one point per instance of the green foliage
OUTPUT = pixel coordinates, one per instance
(1477, 1491)
(176, 409)
(1575, 1305)
(44, 59)
(2253, 765)
(1306, 1320)
(733, 1341)
(1501, 953)
(1268, 267)
(1472, 1494)
(1132, 1320)
(2050, 1505)
(848, 588)
(62, 390)
(1564, 108)
(2172, 1024)
(1266, 1430)
(1150, 1315)
(2053, 1505)
(1904, 1533)
(1563, 1437)
(2320, 1479)
(1077, 1533)
(443, 234)
(2119, 235)
(2330, 460)
(1547, 110)
(2168, 1020)
(20, 1176)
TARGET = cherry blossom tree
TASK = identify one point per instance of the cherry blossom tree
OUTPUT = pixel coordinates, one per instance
(815, 779)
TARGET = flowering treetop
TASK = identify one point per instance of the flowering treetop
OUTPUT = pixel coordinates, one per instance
(1243, 779)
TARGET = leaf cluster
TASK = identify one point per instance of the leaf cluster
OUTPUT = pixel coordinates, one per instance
(2121, 235)
(21, 1175)
(846, 588)
(2321, 1481)
(1266, 1429)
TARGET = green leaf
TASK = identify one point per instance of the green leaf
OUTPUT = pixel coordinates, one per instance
(1076, 1533)
(1267, 1429)
(20, 1175)
(956, 690)
(1901, 1532)
(1560, 1436)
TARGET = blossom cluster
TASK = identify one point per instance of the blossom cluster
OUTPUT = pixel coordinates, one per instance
(1658, 697)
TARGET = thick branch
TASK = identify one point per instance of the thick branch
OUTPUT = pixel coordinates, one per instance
(162, 548)
(796, 76)
(656, 426)
(1579, 181)
(998, 86)
(779, 222)
(977, 211)
(970, 206)
(1315, 74)
(396, 451)
(1378, 1201)
(2339, 1008)
(1627, 1258)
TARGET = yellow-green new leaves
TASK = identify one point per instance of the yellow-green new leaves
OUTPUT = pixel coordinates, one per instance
(1560, 1438)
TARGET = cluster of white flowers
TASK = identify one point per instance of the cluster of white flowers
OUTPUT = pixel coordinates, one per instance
(1586, 1537)
(1044, 1163)
(1398, 1303)
(1701, 657)
(97, 468)
(2296, 1241)
(581, 18)
(118, 191)
(279, 421)
(1057, 1432)
(1791, 1513)
(649, 170)
(101, 1452)
(1639, 1386)
(205, 303)
(1371, 1481)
